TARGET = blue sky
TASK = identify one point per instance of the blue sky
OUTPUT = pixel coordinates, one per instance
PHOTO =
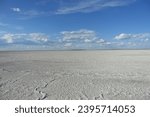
(74, 24)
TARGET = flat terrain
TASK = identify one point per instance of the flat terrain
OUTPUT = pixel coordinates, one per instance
(96, 75)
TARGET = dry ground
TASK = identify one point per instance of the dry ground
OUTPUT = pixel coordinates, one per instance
(113, 74)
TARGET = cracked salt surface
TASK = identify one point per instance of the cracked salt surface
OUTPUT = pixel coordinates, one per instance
(79, 75)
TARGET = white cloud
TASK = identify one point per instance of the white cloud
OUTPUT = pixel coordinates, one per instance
(87, 40)
(146, 39)
(123, 36)
(29, 14)
(34, 13)
(108, 43)
(86, 6)
(38, 37)
(100, 41)
(131, 44)
(103, 42)
(67, 44)
(8, 38)
(83, 38)
(82, 35)
(120, 43)
(16, 9)
(23, 37)
(68, 7)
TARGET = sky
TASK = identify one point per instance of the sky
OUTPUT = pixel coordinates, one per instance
(74, 24)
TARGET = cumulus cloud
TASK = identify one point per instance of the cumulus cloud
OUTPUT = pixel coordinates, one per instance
(87, 40)
(67, 44)
(122, 36)
(103, 42)
(23, 37)
(82, 35)
(38, 37)
(86, 6)
(8, 38)
(16, 9)
(100, 41)
(82, 38)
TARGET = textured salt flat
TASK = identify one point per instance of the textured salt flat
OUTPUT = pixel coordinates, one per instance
(116, 74)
